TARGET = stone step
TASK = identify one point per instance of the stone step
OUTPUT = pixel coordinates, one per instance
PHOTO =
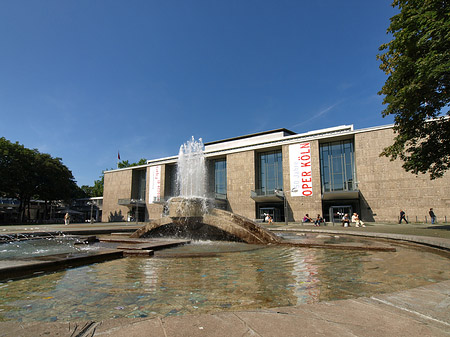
(135, 252)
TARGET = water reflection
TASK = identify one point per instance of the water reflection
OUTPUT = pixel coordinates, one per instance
(269, 277)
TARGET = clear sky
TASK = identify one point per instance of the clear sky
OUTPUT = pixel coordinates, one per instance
(82, 80)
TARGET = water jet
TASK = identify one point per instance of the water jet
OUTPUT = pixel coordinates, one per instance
(191, 214)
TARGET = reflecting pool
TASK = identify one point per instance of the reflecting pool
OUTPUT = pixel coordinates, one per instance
(231, 276)
(43, 247)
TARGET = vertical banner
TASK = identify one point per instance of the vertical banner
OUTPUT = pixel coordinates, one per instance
(300, 169)
(154, 190)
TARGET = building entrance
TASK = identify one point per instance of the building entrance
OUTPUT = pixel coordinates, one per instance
(275, 211)
(337, 212)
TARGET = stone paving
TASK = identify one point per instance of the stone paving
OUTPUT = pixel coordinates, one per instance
(423, 311)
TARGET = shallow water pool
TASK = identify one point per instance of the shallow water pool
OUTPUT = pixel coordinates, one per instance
(235, 277)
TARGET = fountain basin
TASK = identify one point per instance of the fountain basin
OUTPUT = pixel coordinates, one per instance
(186, 207)
(214, 225)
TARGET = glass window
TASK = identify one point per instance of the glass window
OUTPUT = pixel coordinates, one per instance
(220, 177)
(139, 184)
(337, 166)
(270, 175)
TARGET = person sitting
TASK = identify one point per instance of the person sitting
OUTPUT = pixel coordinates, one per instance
(318, 220)
(345, 220)
(306, 218)
(357, 221)
(265, 217)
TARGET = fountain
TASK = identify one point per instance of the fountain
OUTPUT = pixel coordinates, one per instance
(192, 214)
(224, 276)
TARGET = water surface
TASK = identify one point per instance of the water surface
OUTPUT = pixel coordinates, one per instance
(231, 278)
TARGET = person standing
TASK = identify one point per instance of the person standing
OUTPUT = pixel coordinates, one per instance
(67, 218)
(402, 217)
(432, 216)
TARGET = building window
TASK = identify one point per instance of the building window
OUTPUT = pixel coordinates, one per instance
(220, 177)
(337, 166)
(270, 175)
(170, 188)
(139, 184)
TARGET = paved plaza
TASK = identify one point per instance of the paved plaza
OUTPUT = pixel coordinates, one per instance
(423, 311)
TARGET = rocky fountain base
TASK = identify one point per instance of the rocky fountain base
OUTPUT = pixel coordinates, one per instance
(192, 218)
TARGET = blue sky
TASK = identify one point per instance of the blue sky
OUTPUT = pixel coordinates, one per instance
(82, 80)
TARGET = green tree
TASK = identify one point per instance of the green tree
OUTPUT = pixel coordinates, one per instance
(28, 174)
(126, 163)
(417, 62)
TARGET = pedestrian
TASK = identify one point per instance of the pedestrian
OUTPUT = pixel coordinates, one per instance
(270, 219)
(318, 220)
(306, 218)
(432, 216)
(67, 218)
(402, 217)
(345, 220)
(358, 222)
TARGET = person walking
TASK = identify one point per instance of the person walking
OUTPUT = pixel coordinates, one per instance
(402, 217)
(432, 216)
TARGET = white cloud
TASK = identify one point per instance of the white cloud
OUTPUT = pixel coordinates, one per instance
(319, 114)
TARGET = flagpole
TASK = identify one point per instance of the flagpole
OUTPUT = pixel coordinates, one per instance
(118, 158)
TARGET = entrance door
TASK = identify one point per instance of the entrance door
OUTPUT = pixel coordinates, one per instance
(337, 212)
(272, 211)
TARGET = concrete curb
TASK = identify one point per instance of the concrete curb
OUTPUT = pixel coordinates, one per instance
(424, 240)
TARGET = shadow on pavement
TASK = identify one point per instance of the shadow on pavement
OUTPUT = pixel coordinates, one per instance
(445, 227)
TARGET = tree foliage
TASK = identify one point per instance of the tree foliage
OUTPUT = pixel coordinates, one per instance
(126, 163)
(417, 62)
(96, 190)
(28, 174)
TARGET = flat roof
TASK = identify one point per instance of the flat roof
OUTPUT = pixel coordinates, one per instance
(252, 135)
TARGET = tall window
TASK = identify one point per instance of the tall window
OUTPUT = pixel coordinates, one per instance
(139, 184)
(270, 175)
(337, 165)
(220, 177)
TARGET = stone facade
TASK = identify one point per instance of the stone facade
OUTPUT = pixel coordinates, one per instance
(117, 185)
(240, 182)
(386, 187)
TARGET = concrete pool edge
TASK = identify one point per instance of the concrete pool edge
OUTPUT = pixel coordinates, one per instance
(32, 267)
(429, 241)
(421, 311)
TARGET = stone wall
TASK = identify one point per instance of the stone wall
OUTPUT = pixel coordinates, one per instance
(299, 206)
(386, 187)
(117, 185)
(240, 183)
